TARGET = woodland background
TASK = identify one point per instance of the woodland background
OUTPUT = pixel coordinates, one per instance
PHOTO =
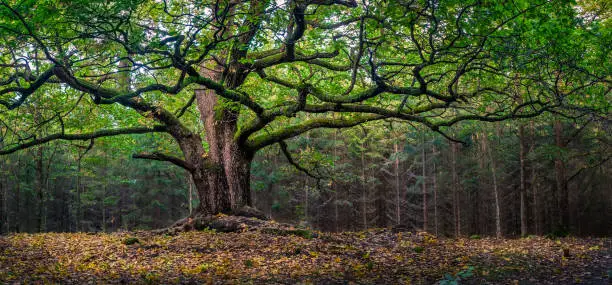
(376, 175)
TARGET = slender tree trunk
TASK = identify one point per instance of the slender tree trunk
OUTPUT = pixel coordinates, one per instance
(364, 190)
(488, 152)
(561, 180)
(123, 202)
(103, 209)
(435, 189)
(40, 190)
(77, 219)
(523, 186)
(17, 196)
(535, 205)
(306, 200)
(534, 187)
(398, 215)
(190, 198)
(483, 185)
(424, 184)
(456, 209)
(498, 232)
(3, 210)
(334, 188)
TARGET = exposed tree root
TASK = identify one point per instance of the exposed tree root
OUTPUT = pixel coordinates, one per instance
(245, 219)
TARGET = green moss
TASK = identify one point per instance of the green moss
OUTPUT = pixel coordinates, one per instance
(298, 232)
(248, 263)
(130, 241)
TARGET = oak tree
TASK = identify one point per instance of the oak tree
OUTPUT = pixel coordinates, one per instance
(258, 73)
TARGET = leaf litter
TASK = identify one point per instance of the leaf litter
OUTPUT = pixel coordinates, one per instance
(259, 256)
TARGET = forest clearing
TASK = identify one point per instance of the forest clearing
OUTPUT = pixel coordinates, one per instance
(375, 256)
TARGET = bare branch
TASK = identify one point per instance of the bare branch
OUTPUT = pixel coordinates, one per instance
(291, 161)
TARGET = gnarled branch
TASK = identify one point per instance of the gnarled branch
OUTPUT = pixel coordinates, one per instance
(283, 147)
(164, 157)
(83, 137)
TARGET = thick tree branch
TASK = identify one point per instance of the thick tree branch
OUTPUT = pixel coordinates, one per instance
(263, 140)
(314, 58)
(23, 93)
(82, 137)
(164, 157)
(229, 94)
(174, 126)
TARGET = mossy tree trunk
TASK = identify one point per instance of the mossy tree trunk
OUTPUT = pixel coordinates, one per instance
(221, 174)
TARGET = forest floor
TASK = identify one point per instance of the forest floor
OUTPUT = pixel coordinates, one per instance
(257, 256)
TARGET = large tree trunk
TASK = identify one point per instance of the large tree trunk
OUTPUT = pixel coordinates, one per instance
(221, 177)
(221, 174)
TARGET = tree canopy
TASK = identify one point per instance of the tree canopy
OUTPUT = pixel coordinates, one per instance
(225, 79)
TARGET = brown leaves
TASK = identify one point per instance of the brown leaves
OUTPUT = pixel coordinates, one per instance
(374, 256)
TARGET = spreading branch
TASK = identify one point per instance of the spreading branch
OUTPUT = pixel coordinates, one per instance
(285, 150)
(82, 137)
(164, 157)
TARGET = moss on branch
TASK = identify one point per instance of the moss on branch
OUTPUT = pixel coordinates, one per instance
(263, 140)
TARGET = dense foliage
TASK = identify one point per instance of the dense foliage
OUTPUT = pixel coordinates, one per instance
(230, 90)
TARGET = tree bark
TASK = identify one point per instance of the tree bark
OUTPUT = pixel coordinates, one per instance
(561, 180)
(40, 190)
(4, 212)
(398, 215)
(533, 185)
(456, 209)
(334, 188)
(103, 208)
(190, 198)
(435, 189)
(523, 180)
(364, 192)
(498, 232)
(3, 206)
(221, 175)
(424, 185)
(17, 195)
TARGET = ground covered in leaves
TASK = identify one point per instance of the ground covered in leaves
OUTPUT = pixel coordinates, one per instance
(263, 256)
